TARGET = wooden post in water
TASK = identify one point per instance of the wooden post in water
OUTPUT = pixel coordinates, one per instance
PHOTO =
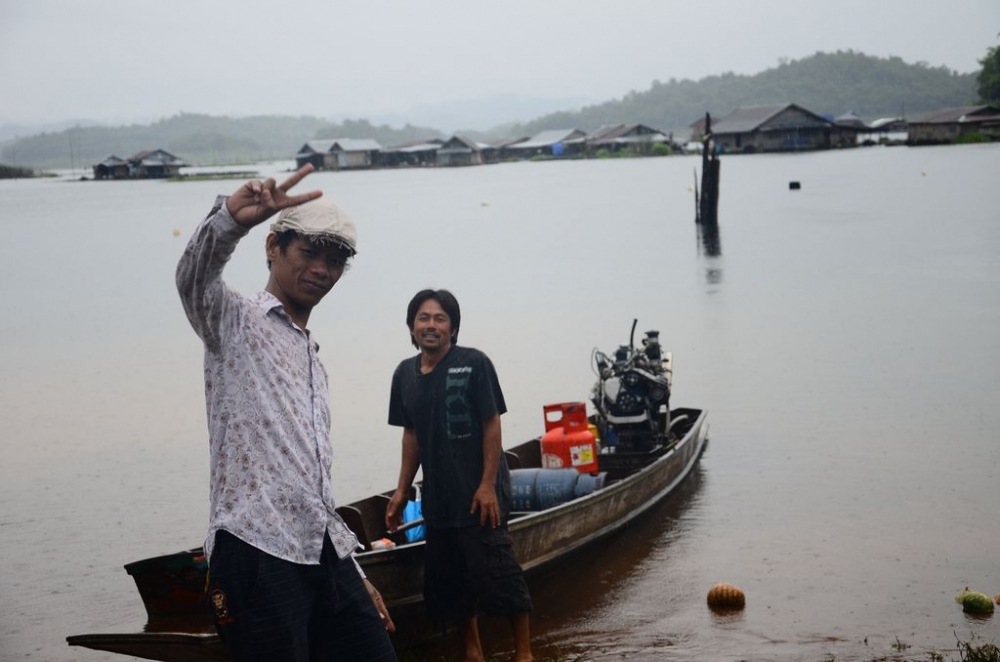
(708, 201)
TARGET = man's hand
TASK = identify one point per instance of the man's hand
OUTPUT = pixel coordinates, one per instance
(394, 511)
(380, 606)
(485, 501)
(256, 201)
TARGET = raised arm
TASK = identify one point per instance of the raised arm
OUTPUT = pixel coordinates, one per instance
(199, 272)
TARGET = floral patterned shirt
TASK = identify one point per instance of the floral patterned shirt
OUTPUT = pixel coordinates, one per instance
(268, 409)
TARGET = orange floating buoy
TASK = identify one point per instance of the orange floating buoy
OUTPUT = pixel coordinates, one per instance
(726, 596)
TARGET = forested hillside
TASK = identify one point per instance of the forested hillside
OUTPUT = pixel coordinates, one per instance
(825, 83)
(196, 139)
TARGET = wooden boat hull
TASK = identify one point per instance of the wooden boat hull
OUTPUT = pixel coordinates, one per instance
(173, 587)
(165, 646)
(543, 537)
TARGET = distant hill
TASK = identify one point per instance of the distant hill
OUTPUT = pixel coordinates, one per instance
(196, 139)
(825, 83)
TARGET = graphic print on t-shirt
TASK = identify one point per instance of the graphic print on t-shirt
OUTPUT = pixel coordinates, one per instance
(457, 414)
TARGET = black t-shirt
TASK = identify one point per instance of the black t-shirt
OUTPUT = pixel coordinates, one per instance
(446, 409)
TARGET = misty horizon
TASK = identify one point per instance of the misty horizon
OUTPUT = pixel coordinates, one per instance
(116, 62)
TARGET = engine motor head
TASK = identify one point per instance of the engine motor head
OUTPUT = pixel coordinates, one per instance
(631, 396)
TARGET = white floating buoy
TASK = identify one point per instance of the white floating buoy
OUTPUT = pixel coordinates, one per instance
(177, 232)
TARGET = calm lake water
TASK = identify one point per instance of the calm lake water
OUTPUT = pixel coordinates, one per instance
(845, 341)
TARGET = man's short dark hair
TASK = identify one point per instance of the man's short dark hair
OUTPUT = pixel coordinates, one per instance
(284, 241)
(448, 303)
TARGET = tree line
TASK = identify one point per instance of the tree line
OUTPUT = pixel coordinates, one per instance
(825, 83)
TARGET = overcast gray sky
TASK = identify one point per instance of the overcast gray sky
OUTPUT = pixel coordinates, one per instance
(128, 60)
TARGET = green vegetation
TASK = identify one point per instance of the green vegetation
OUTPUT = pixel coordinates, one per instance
(11, 172)
(197, 140)
(973, 137)
(973, 652)
(825, 83)
(989, 77)
(212, 176)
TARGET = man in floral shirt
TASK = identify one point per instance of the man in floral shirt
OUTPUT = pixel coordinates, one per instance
(283, 583)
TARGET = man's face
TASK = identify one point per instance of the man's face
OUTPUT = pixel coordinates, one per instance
(303, 273)
(432, 327)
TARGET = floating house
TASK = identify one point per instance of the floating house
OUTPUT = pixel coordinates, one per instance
(314, 152)
(554, 142)
(154, 164)
(778, 128)
(458, 150)
(112, 167)
(503, 149)
(339, 153)
(946, 126)
(148, 164)
(637, 137)
(415, 153)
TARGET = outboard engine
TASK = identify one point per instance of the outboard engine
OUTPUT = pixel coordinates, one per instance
(632, 395)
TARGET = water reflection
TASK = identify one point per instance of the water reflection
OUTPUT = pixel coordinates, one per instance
(580, 606)
(710, 238)
(710, 245)
(579, 603)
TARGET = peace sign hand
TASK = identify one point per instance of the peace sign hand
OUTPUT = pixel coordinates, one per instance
(256, 201)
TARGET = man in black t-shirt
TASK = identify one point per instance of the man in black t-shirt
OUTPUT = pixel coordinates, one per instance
(448, 401)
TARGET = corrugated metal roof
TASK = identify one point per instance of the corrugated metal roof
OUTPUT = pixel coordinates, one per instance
(607, 132)
(326, 146)
(459, 145)
(507, 142)
(551, 137)
(155, 157)
(746, 119)
(415, 146)
(418, 147)
(883, 121)
(625, 133)
(358, 145)
(112, 161)
(315, 147)
(959, 115)
(850, 118)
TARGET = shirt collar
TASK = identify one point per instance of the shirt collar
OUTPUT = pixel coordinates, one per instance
(267, 302)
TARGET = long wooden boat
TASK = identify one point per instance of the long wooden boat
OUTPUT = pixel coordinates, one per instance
(631, 479)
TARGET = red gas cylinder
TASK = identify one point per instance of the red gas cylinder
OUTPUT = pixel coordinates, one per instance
(568, 441)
